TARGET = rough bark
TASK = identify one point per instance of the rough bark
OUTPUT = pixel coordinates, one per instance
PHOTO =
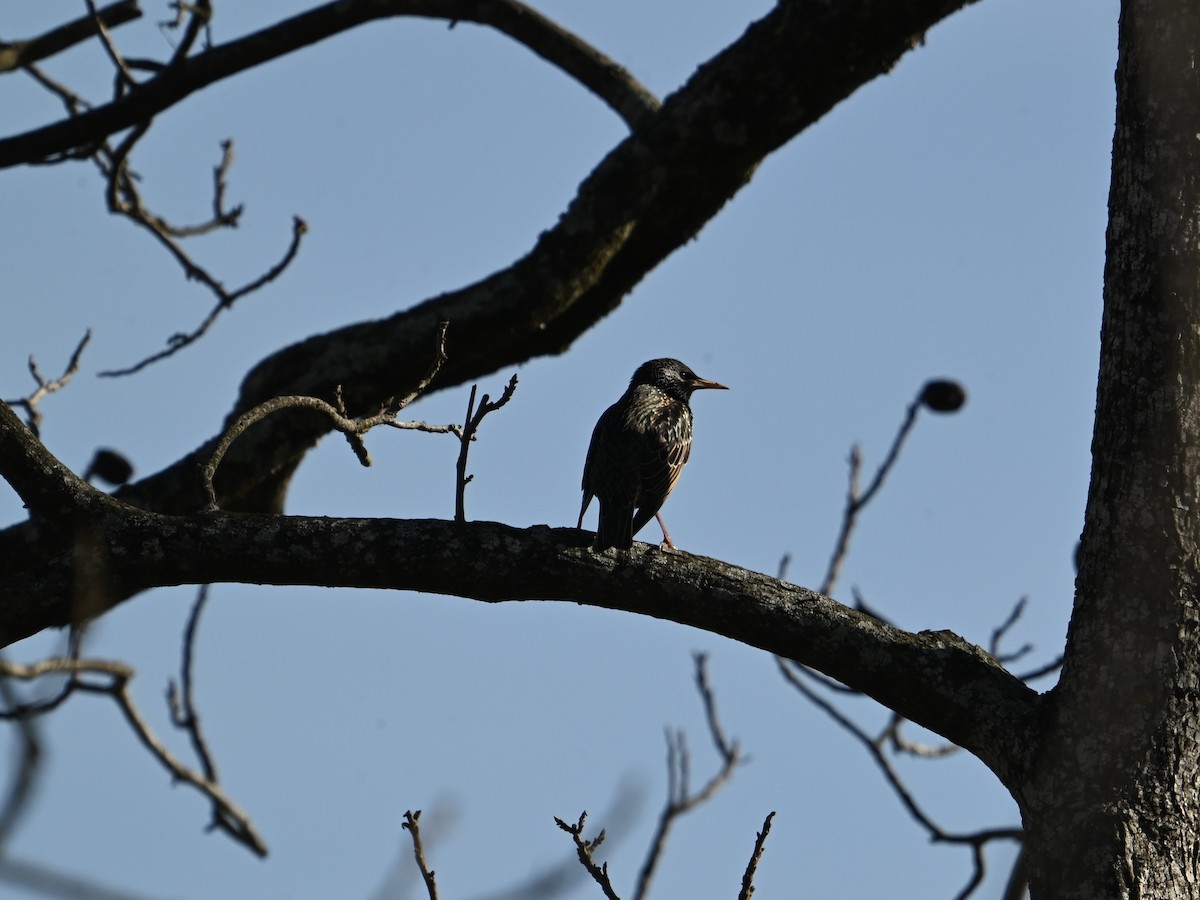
(1111, 805)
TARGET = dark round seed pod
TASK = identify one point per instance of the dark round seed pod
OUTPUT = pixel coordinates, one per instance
(943, 396)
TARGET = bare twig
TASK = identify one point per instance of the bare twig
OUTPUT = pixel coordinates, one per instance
(181, 701)
(855, 501)
(199, 18)
(585, 849)
(410, 824)
(125, 78)
(225, 297)
(752, 867)
(115, 684)
(353, 428)
(680, 799)
(29, 403)
(587, 65)
(900, 744)
(26, 769)
(1001, 630)
(975, 840)
(1042, 671)
(940, 396)
(16, 54)
(1018, 879)
(470, 426)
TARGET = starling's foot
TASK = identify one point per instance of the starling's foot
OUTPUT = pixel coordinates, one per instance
(667, 543)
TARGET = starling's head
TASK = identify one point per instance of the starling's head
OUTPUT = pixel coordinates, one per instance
(671, 377)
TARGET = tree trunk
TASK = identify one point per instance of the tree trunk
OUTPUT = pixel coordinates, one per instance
(1111, 798)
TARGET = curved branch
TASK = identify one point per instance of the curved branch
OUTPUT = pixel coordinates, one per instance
(589, 66)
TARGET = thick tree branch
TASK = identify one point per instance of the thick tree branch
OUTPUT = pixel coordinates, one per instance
(935, 678)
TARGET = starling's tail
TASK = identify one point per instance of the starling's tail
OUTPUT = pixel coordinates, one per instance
(615, 528)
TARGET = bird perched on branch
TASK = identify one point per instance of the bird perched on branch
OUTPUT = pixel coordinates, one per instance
(639, 447)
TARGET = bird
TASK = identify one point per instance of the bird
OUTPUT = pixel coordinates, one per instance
(639, 446)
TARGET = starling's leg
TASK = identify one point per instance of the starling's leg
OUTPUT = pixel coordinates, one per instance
(666, 541)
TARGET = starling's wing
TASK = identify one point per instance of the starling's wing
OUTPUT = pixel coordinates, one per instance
(665, 451)
(589, 464)
(609, 473)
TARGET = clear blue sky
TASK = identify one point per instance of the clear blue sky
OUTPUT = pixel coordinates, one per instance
(946, 220)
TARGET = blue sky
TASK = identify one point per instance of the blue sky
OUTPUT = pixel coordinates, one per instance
(946, 220)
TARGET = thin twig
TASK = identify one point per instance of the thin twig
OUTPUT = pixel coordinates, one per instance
(470, 426)
(29, 403)
(1001, 630)
(181, 702)
(855, 501)
(26, 768)
(900, 744)
(230, 817)
(585, 849)
(200, 19)
(1018, 878)
(18, 54)
(410, 824)
(752, 867)
(1042, 671)
(976, 840)
(125, 77)
(680, 799)
(225, 297)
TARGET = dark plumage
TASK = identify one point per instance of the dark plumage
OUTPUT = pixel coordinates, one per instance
(639, 447)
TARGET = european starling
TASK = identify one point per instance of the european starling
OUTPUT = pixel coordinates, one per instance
(638, 449)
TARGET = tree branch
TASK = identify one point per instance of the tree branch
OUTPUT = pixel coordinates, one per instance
(934, 678)
(411, 825)
(17, 54)
(187, 75)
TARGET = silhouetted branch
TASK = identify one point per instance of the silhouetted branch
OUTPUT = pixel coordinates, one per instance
(1042, 671)
(26, 768)
(16, 54)
(225, 297)
(115, 678)
(410, 825)
(561, 877)
(999, 632)
(752, 867)
(585, 849)
(607, 80)
(181, 701)
(29, 403)
(125, 77)
(938, 396)
(680, 799)
(470, 425)
(1017, 886)
(976, 840)
(199, 17)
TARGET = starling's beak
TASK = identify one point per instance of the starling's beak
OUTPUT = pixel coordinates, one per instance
(701, 383)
